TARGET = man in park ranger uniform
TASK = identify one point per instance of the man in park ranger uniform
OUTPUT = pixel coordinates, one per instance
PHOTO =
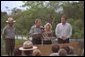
(8, 35)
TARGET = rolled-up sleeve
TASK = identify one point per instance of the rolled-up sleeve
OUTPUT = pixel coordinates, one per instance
(31, 31)
(4, 32)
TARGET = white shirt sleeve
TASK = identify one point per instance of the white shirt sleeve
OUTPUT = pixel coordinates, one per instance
(70, 31)
(57, 31)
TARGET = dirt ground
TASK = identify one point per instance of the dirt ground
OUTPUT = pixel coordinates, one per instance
(46, 49)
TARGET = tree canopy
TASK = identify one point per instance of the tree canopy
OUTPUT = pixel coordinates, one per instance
(48, 11)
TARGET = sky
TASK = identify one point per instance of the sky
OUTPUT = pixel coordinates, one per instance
(7, 6)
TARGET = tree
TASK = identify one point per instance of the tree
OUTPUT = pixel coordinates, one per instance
(3, 19)
(48, 11)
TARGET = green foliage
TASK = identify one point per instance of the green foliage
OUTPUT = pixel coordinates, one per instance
(3, 19)
(78, 28)
(46, 11)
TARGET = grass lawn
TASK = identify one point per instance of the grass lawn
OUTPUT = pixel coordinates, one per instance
(19, 42)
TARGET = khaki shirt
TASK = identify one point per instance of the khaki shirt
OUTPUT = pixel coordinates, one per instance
(34, 30)
(8, 32)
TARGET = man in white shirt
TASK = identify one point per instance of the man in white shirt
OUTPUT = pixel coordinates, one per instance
(63, 30)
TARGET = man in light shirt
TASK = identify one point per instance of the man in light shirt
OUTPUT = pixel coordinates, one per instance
(63, 30)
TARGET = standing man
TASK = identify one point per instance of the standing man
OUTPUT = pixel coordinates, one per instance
(63, 30)
(9, 36)
(36, 32)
